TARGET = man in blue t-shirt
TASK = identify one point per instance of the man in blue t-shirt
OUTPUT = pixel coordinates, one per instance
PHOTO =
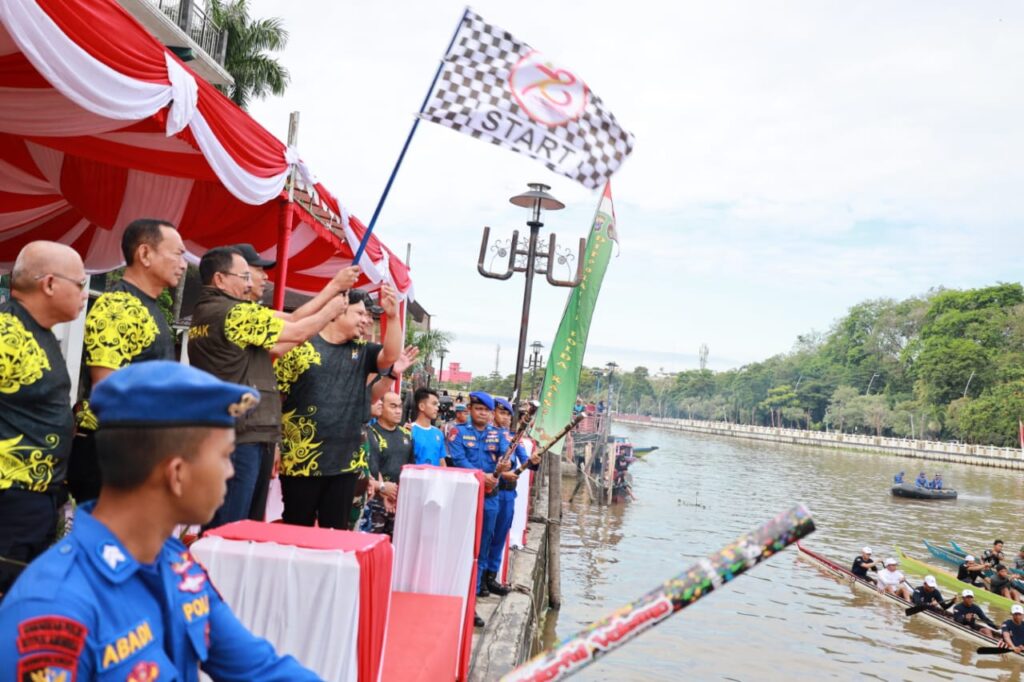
(1013, 629)
(922, 480)
(428, 445)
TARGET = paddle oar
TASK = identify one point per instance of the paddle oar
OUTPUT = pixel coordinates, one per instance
(580, 650)
(994, 650)
(921, 607)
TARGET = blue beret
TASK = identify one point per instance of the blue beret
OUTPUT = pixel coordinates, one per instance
(501, 402)
(460, 408)
(483, 398)
(165, 394)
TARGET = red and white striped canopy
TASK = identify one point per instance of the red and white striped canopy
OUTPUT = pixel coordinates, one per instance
(100, 124)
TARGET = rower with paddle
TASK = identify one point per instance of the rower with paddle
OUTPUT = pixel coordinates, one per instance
(970, 614)
(1013, 629)
(927, 596)
(863, 563)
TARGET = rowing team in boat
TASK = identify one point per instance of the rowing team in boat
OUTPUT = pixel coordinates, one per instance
(973, 572)
(921, 481)
(890, 579)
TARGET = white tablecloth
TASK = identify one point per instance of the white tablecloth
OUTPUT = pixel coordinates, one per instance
(436, 531)
(311, 613)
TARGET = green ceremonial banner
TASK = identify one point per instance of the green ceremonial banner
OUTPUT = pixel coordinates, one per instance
(562, 377)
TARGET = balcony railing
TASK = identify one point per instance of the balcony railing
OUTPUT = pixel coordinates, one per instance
(195, 21)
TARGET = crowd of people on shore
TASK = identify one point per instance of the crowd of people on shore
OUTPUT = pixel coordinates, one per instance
(155, 445)
(888, 578)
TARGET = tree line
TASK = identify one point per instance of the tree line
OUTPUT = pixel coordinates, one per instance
(948, 364)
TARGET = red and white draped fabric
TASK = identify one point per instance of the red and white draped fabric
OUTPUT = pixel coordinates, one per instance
(320, 595)
(437, 538)
(100, 124)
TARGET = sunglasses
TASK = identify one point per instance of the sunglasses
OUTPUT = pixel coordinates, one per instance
(80, 283)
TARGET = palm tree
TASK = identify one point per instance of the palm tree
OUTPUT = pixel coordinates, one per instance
(256, 73)
(430, 343)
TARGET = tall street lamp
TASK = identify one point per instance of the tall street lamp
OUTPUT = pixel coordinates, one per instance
(873, 377)
(530, 262)
(537, 347)
(442, 351)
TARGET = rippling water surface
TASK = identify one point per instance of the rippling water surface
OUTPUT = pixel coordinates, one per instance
(786, 619)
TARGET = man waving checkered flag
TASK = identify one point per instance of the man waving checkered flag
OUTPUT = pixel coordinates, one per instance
(497, 88)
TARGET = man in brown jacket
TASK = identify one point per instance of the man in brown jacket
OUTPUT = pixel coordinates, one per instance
(235, 340)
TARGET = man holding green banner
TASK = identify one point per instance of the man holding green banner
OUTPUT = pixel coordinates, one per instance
(562, 378)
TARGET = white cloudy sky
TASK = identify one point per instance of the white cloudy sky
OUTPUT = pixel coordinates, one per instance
(792, 159)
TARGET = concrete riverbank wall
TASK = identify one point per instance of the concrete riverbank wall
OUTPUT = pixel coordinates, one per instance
(514, 622)
(961, 453)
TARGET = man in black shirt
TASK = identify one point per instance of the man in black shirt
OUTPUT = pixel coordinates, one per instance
(971, 572)
(390, 448)
(928, 593)
(993, 557)
(1013, 629)
(863, 563)
(1000, 583)
(48, 286)
(970, 614)
(323, 382)
(126, 325)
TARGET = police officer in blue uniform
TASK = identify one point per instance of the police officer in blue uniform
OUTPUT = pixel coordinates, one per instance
(119, 597)
(506, 498)
(478, 444)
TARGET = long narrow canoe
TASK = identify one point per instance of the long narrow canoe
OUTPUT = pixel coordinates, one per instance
(1016, 582)
(957, 549)
(949, 581)
(943, 554)
(947, 623)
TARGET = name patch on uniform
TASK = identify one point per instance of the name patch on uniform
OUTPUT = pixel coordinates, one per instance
(51, 633)
(46, 668)
(199, 331)
(197, 608)
(127, 645)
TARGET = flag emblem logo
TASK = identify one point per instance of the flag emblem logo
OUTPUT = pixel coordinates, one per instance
(548, 94)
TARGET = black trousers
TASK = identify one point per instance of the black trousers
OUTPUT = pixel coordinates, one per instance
(325, 500)
(28, 526)
(258, 508)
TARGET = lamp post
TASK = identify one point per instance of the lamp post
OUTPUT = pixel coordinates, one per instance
(442, 351)
(530, 262)
(611, 366)
(873, 377)
(537, 347)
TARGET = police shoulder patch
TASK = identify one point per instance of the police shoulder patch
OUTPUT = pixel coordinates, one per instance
(47, 667)
(51, 633)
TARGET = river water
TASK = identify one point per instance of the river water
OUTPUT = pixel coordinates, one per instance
(785, 619)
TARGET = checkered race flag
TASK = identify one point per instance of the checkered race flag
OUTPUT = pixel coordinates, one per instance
(497, 88)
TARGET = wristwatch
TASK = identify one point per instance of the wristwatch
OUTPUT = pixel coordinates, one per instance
(390, 373)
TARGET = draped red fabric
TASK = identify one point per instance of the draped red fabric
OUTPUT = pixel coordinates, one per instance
(70, 174)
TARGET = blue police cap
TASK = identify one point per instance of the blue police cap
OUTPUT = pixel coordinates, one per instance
(483, 398)
(165, 394)
(460, 408)
(501, 402)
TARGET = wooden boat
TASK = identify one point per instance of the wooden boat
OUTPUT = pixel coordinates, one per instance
(945, 622)
(646, 450)
(943, 554)
(949, 581)
(1016, 583)
(918, 493)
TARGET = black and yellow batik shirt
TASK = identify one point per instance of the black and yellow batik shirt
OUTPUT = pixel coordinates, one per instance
(324, 389)
(389, 451)
(124, 326)
(36, 424)
(231, 339)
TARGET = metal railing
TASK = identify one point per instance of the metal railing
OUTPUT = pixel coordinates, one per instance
(198, 24)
